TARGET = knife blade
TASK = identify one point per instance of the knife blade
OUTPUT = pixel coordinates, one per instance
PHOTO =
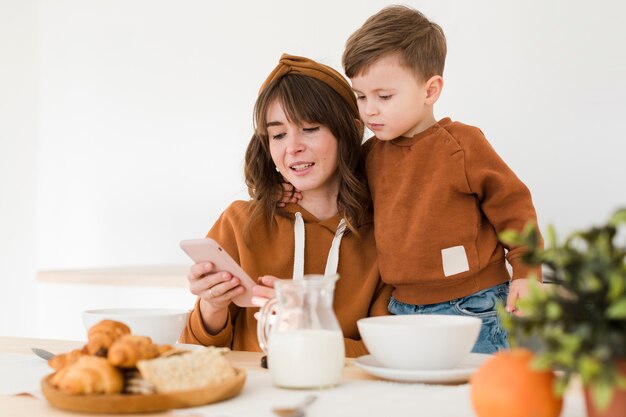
(42, 353)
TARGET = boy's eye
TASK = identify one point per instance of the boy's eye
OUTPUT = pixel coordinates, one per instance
(385, 97)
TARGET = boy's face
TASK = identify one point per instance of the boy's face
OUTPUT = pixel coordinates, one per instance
(392, 102)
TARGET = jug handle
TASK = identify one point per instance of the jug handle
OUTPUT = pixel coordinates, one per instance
(263, 325)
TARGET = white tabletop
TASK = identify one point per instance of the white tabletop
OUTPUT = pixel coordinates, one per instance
(358, 394)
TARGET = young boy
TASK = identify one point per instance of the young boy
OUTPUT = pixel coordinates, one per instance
(441, 193)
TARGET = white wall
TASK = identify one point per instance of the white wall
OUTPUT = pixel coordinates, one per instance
(18, 165)
(144, 109)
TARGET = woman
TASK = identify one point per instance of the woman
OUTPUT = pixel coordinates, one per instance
(307, 133)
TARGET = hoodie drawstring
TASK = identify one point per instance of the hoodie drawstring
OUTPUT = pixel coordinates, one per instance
(332, 261)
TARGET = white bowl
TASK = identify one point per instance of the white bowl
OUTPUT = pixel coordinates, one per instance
(163, 325)
(420, 341)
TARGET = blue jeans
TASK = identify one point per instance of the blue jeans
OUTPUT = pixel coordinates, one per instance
(481, 304)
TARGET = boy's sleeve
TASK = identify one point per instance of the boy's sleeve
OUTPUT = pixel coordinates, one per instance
(504, 198)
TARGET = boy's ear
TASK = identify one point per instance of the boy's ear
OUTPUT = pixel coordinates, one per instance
(434, 85)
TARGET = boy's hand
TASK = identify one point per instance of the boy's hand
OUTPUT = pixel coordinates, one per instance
(517, 289)
(288, 194)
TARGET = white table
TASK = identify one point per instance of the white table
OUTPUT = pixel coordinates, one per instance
(359, 393)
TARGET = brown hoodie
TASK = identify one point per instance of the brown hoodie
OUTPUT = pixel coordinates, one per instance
(358, 293)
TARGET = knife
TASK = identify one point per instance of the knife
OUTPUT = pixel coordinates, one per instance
(42, 353)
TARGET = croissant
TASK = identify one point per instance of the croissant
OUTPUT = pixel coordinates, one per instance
(103, 334)
(89, 375)
(129, 349)
(61, 361)
(165, 349)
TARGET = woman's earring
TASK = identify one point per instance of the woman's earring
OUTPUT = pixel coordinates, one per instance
(277, 170)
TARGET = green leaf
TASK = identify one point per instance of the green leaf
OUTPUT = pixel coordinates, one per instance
(511, 237)
(551, 236)
(553, 310)
(602, 394)
(541, 362)
(591, 282)
(536, 291)
(571, 342)
(617, 286)
(560, 385)
(617, 310)
(564, 358)
(619, 217)
(588, 367)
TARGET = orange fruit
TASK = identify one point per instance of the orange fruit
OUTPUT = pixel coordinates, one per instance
(506, 386)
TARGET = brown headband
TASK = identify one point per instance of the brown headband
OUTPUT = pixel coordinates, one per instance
(309, 68)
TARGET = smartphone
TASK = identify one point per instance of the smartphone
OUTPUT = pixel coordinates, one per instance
(208, 250)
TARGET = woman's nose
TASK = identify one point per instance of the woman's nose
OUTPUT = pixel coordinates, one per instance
(295, 143)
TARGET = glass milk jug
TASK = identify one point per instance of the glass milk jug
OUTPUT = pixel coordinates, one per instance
(304, 344)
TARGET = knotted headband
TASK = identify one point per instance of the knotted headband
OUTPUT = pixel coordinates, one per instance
(309, 68)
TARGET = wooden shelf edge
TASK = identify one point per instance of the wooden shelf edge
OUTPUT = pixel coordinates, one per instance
(144, 276)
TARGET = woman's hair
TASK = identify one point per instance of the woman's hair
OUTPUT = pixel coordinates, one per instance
(307, 100)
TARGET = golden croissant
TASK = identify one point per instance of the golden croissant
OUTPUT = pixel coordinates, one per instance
(61, 361)
(103, 334)
(89, 375)
(129, 349)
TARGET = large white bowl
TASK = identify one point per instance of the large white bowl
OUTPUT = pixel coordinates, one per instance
(425, 342)
(163, 325)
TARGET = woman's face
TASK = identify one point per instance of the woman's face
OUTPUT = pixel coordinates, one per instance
(305, 155)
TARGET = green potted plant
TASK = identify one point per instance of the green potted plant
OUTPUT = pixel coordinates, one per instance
(579, 319)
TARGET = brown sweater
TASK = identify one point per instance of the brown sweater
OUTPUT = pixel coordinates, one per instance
(440, 199)
(358, 293)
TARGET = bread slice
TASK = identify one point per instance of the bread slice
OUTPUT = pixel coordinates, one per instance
(188, 371)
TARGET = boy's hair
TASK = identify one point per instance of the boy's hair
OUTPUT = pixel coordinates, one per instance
(307, 100)
(420, 43)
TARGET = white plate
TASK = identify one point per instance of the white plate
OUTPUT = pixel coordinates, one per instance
(459, 373)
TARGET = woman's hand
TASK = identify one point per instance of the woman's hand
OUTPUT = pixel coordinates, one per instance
(263, 292)
(216, 291)
(287, 194)
(216, 288)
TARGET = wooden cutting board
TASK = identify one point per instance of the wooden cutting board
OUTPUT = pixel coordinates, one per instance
(137, 403)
